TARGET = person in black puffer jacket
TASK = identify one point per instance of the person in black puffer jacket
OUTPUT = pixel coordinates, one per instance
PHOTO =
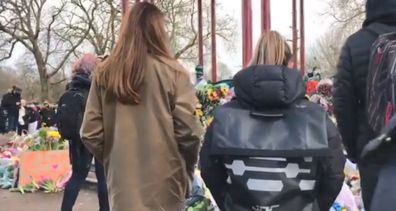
(270, 148)
(80, 157)
(350, 91)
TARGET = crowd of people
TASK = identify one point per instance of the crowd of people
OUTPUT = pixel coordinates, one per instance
(18, 115)
(268, 149)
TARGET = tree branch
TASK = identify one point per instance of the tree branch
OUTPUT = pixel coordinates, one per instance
(49, 28)
(70, 51)
(185, 48)
(58, 82)
(10, 51)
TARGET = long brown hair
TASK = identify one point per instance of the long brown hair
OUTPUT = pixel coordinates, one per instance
(142, 35)
(272, 49)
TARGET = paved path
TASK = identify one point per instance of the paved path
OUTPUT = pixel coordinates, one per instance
(86, 201)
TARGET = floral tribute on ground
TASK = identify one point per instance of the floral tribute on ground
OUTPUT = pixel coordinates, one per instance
(37, 162)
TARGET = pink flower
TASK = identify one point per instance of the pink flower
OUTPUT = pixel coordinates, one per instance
(44, 178)
(55, 166)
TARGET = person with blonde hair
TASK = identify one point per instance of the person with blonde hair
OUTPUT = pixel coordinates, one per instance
(71, 108)
(139, 120)
(270, 148)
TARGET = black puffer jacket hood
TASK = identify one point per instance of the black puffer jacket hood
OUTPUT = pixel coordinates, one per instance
(269, 86)
(382, 11)
(80, 81)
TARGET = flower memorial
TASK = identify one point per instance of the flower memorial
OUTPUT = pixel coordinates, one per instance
(210, 96)
(323, 95)
(17, 147)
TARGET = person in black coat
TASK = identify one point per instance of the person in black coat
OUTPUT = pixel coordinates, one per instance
(270, 148)
(11, 103)
(350, 91)
(48, 115)
(80, 157)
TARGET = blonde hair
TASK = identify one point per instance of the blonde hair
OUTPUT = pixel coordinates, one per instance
(271, 49)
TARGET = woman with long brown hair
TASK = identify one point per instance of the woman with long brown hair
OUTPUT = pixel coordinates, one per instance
(271, 149)
(139, 119)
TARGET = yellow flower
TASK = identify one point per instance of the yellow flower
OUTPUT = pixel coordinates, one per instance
(212, 95)
(224, 91)
(53, 134)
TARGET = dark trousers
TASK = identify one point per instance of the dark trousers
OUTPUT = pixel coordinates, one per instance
(12, 122)
(369, 177)
(384, 198)
(81, 160)
(22, 129)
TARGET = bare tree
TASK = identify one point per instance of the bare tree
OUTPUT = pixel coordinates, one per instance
(346, 14)
(28, 81)
(38, 26)
(325, 53)
(347, 17)
(7, 80)
(181, 18)
(103, 22)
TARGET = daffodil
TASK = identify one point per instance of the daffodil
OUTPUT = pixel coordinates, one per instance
(53, 134)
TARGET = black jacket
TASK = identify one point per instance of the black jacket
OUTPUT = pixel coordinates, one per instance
(351, 78)
(9, 102)
(80, 81)
(269, 101)
(80, 157)
(48, 116)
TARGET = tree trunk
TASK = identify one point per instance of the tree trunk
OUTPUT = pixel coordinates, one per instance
(42, 69)
(44, 88)
(43, 80)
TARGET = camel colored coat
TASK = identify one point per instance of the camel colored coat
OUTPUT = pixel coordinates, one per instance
(148, 150)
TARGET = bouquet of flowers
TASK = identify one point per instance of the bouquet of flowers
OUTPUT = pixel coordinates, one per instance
(322, 94)
(210, 96)
(46, 139)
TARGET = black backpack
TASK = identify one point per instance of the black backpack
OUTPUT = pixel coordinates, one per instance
(70, 113)
(381, 82)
